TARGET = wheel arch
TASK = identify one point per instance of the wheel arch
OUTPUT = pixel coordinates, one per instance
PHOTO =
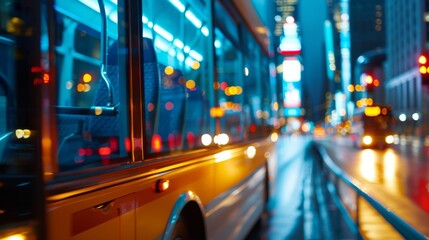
(189, 207)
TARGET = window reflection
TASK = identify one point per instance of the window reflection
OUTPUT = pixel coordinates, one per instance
(176, 75)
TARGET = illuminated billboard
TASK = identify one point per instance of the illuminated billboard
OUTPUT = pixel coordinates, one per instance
(291, 69)
(290, 44)
(292, 95)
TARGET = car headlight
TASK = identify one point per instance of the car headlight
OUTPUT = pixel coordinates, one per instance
(389, 139)
(367, 140)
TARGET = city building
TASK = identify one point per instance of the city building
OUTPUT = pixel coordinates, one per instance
(408, 37)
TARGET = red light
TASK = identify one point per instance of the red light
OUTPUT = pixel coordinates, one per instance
(156, 143)
(81, 152)
(376, 83)
(252, 128)
(191, 138)
(171, 141)
(36, 69)
(169, 106)
(104, 151)
(114, 145)
(128, 144)
(45, 78)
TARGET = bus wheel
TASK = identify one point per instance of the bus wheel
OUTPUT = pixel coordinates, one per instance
(180, 231)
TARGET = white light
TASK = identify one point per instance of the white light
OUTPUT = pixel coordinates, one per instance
(389, 139)
(180, 57)
(221, 139)
(161, 45)
(246, 71)
(194, 20)
(178, 4)
(223, 156)
(186, 49)
(217, 44)
(196, 55)
(290, 19)
(416, 116)
(291, 69)
(274, 137)
(402, 117)
(205, 31)
(172, 52)
(162, 32)
(189, 62)
(144, 19)
(114, 17)
(367, 140)
(251, 152)
(178, 43)
(206, 139)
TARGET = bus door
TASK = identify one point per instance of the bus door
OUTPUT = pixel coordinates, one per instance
(21, 82)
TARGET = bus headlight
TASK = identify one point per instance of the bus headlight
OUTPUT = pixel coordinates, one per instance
(367, 140)
(389, 139)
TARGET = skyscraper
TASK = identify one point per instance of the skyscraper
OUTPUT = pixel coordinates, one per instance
(407, 36)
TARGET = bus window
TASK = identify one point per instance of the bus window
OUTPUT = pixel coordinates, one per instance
(257, 88)
(230, 87)
(91, 92)
(178, 67)
(230, 73)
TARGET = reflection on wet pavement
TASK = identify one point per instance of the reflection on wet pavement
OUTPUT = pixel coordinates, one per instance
(301, 207)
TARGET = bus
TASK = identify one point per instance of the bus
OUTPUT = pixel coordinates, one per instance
(134, 119)
(373, 127)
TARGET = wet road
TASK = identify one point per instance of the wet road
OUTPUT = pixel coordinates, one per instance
(402, 170)
(398, 177)
(300, 207)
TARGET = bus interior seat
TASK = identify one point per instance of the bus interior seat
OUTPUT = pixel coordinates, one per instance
(171, 111)
(76, 132)
(151, 78)
(106, 126)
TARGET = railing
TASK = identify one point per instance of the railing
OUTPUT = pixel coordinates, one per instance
(402, 227)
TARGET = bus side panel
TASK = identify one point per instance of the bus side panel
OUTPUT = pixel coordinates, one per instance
(90, 217)
(135, 211)
(240, 188)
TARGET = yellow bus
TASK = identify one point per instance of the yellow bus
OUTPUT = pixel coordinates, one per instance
(134, 119)
(373, 127)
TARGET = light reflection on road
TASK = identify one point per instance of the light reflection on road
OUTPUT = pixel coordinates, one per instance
(402, 170)
(367, 164)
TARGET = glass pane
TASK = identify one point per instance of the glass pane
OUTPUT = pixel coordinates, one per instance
(18, 125)
(92, 93)
(176, 75)
(230, 75)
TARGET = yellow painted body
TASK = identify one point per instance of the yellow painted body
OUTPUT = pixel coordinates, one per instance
(133, 209)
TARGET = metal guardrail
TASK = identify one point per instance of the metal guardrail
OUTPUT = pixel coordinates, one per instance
(402, 227)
